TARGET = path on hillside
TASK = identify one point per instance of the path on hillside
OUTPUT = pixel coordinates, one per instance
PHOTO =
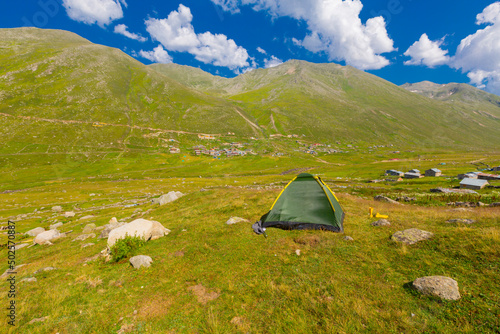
(55, 120)
(254, 126)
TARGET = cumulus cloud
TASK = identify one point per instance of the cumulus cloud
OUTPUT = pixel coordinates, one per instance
(427, 52)
(334, 28)
(158, 55)
(101, 12)
(478, 54)
(272, 62)
(261, 50)
(123, 30)
(176, 33)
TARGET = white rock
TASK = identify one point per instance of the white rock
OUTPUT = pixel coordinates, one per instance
(19, 246)
(235, 220)
(36, 231)
(87, 217)
(47, 236)
(31, 279)
(439, 286)
(89, 228)
(167, 198)
(141, 261)
(69, 214)
(84, 236)
(57, 208)
(56, 225)
(113, 220)
(145, 229)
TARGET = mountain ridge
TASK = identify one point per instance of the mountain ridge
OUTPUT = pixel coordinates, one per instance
(73, 79)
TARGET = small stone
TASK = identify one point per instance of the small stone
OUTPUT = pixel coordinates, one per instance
(381, 198)
(411, 236)
(84, 236)
(235, 220)
(461, 221)
(19, 246)
(44, 269)
(30, 279)
(36, 231)
(141, 261)
(439, 286)
(87, 217)
(381, 222)
(56, 225)
(89, 228)
(57, 208)
(113, 221)
(348, 238)
(69, 214)
(88, 245)
(44, 238)
(297, 251)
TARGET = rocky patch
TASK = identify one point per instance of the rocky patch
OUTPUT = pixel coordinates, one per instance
(411, 236)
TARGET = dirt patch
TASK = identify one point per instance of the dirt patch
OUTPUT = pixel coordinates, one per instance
(154, 307)
(310, 240)
(296, 171)
(202, 294)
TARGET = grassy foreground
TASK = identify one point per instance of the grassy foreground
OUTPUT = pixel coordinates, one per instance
(210, 277)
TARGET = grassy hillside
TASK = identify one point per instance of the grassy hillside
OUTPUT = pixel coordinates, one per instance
(336, 102)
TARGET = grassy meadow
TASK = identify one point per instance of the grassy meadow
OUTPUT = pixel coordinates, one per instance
(210, 277)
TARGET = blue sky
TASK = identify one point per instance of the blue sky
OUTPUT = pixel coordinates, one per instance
(398, 40)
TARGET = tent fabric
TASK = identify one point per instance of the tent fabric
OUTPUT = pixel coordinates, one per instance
(305, 203)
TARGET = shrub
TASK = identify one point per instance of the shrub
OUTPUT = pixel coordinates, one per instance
(125, 247)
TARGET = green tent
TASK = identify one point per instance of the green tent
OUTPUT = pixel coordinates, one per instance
(306, 203)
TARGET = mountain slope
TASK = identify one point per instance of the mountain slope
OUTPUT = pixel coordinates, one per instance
(57, 75)
(55, 85)
(332, 101)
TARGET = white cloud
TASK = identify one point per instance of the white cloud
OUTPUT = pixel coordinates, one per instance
(334, 28)
(478, 54)
(426, 52)
(272, 62)
(123, 30)
(176, 33)
(158, 55)
(261, 50)
(102, 12)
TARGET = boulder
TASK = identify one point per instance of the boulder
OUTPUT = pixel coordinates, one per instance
(381, 198)
(381, 222)
(30, 279)
(439, 286)
(113, 221)
(84, 236)
(56, 225)
(57, 208)
(36, 231)
(411, 236)
(141, 261)
(44, 269)
(19, 246)
(69, 214)
(167, 198)
(146, 229)
(461, 221)
(47, 236)
(235, 220)
(108, 228)
(89, 228)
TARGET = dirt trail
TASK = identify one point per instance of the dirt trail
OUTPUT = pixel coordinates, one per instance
(254, 126)
(104, 124)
